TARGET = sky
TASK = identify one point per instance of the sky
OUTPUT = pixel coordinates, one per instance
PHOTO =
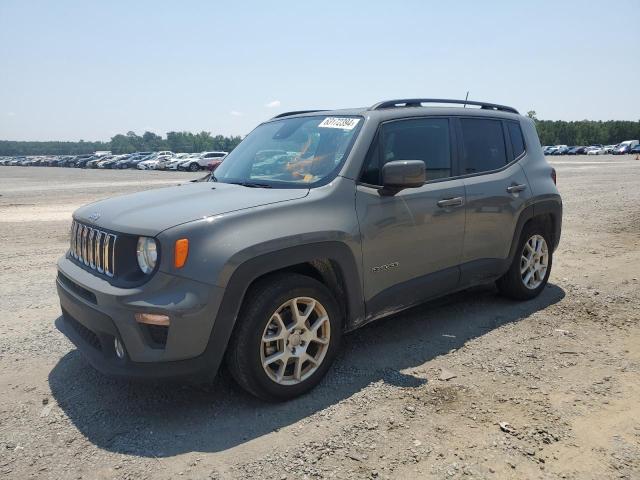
(88, 69)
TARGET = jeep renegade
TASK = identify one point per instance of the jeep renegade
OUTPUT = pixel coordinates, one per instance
(316, 224)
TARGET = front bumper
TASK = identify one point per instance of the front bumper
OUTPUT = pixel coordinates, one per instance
(94, 313)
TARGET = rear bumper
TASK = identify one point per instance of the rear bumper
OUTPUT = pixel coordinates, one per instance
(94, 314)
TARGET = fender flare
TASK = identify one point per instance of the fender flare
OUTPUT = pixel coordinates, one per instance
(548, 206)
(248, 271)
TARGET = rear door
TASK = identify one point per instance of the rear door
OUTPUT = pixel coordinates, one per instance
(412, 241)
(496, 192)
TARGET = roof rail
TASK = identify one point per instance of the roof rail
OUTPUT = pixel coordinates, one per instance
(417, 102)
(297, 112)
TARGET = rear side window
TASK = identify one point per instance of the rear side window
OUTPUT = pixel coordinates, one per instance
(425, 139)
(517, 140)
(483, 147)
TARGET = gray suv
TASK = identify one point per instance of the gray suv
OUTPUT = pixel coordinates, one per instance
(316, 224)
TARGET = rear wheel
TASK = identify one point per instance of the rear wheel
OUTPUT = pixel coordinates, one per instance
(529, 272)
(286, 337)
(194, 167)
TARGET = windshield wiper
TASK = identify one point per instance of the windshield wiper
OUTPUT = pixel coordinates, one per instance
(251, 184)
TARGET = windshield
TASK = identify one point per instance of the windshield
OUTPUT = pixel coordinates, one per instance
(292, 152)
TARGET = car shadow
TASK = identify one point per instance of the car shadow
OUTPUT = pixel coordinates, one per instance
(163, 419)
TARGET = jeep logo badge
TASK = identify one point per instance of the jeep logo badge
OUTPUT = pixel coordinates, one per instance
(93, 218)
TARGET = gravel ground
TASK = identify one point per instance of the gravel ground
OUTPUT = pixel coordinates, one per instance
(471, 386)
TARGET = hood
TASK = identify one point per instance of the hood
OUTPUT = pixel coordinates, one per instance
(151, 212)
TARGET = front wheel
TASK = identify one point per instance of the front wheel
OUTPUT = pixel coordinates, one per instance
(529, 272)
(286, 337)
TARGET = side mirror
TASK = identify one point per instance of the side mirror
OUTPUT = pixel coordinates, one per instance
(402, 174)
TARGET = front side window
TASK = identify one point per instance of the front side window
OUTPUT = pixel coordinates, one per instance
(292, 152)
(425, 139)
(483, 147)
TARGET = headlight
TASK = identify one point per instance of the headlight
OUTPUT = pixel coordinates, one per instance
(147, 253)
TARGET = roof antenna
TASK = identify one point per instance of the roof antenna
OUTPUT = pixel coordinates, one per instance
(465, 99)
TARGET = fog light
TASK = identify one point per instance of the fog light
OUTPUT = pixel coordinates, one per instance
(152, 319)
(119, 348)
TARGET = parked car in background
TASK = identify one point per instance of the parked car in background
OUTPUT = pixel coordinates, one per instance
(64, 160)
(132, 160)
(582, 150)
(625, 147)
(162, 161)
(110, 163)
(135, 161)
(93, 163)
(147, 163)
(635, 149)
(214, 164)
(593, 150)
(560, 150)
(573, 150)
(202, 162)
(178, 159)
(609, 148)
(81, 159)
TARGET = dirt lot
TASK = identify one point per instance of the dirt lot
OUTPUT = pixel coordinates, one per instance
(472, 386)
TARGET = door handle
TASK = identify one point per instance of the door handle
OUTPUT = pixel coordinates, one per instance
(450, 202)
(516, 188)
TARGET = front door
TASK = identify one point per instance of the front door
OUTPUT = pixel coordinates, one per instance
(412, 241)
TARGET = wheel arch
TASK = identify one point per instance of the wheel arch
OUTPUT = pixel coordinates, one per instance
(548, 211)
(332, 263)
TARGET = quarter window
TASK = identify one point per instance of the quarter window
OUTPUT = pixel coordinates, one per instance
(483, 147)
(517, 140)
(425, 139)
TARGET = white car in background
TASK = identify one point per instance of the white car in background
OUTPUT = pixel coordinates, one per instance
(596, 151)
(202, 162)
(609, 148)
(165, 161)
(162, 161)
(181, 158)
(149, 164)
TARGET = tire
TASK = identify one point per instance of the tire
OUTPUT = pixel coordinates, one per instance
(512, 284)
(194, 167)
(247, 349)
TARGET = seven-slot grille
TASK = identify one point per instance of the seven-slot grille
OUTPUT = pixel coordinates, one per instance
(95, 248)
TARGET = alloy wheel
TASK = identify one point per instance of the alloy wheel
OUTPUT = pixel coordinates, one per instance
(534, 262)
(295, 341)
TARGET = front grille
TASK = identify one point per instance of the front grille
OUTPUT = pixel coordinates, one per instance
(77, 289)
(94, 248)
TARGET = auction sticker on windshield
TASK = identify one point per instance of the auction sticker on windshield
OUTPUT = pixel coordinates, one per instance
(343, 123)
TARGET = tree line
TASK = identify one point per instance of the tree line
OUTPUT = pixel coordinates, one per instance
(128, 143)
(585, 132)
(551, 132)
